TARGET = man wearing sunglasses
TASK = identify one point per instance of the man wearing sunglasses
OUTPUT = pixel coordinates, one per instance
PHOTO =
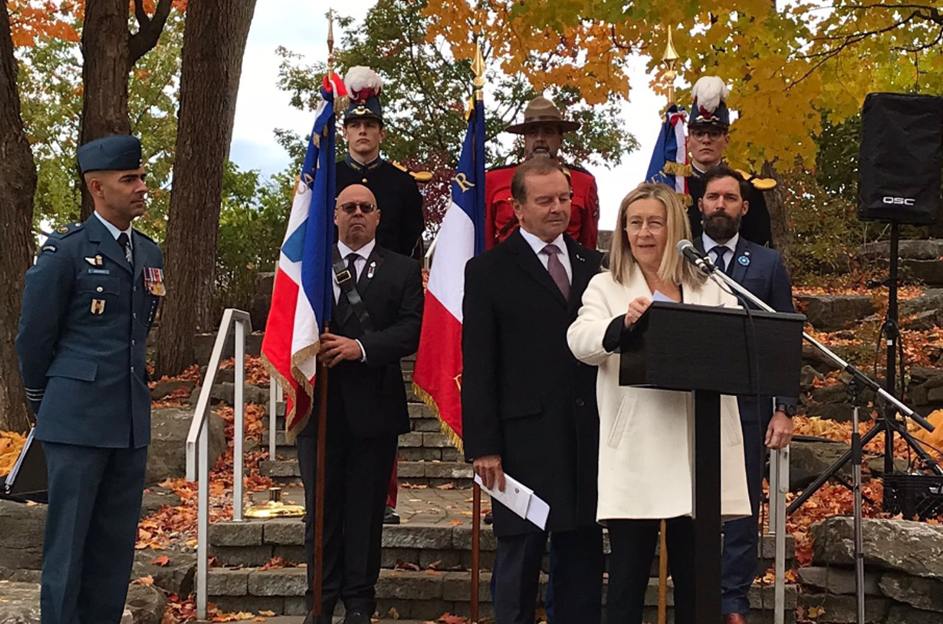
(708, 137)
(376, 318)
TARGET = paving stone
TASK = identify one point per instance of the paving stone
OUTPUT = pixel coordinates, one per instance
(414, 536)
(411, 470)
(421, 410)
(236, 533)
(432, 610)
(279, 468)
(251, 604)
(440, 559)
(435, 440)
(410, 440)
(425, 425)
(242, 555)
(413, 586)
(284, 532)
(462, 535)
(420, 454)
(449, 470)
(295, 605)
(278, 582)
(457, 586)
(291, 554)
(223, 582)
(393, 557)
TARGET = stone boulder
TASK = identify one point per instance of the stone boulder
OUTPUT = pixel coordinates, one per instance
(901, 614)
(908, 249)
(930, 272)
(832, 312)
(156, 497)
(843, 609)
(923, 321)
(808, 460)
(167, 455)
(163, 389)
(146, 604)
(21, 536)
(921, 593)
(904, 546)
(262, 301)
(226, 392)
(176, 577)
(930, 301)
(837, 581)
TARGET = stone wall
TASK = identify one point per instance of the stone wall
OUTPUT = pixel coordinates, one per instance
(903, 573)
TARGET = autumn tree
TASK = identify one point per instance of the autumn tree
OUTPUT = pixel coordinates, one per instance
(213, 46)
(17, 185)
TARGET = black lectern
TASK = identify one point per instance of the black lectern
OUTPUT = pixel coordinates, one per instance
(712, 351)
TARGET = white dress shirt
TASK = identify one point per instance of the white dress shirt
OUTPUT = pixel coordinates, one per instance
(709, 244)
(537, 245)
(115, 231)
(360, 263)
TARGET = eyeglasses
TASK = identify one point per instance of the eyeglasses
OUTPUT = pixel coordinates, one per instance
(351, 207)
(636, 225)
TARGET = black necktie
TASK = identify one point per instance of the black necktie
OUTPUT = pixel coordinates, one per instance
(125, 244)
(720, 251)
(352, 265)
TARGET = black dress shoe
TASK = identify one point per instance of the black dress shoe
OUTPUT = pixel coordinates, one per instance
(489, 518)
(390, 516)
(356, 617)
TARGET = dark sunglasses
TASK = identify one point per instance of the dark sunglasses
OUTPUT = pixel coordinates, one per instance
(350, 207)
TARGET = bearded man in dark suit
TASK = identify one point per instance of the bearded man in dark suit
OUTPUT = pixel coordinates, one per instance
(529, 407)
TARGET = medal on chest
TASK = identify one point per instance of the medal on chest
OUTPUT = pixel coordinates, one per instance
(154, 281)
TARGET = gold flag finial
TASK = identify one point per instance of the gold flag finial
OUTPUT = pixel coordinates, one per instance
(330, 41)
(670, 59)
(478, 66)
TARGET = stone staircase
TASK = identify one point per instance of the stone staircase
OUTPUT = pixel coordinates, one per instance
(426, 457)
(425, 570)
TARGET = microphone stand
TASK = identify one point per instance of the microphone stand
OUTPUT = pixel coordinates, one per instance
(858, 381)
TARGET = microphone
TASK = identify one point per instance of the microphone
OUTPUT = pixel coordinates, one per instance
(689, 252)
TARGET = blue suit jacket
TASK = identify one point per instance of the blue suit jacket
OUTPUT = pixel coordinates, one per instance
(761, 271)
(81, 342)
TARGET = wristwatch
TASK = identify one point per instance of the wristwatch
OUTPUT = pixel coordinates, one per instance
(788, 410)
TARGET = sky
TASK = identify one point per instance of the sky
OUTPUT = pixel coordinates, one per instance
(300, 26)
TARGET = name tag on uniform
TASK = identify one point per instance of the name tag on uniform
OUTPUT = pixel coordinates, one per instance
(154, 281)
(98, 306)
(100, 271)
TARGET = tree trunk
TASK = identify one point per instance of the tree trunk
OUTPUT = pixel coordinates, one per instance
(109, 52)
(17, 186)
(213, 46)
(104, 76)
(779, 221)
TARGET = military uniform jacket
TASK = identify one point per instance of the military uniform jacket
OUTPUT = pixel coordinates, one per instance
(500, 221)
(81, 342)
(398, 198)
(524, 396)
(755, 226)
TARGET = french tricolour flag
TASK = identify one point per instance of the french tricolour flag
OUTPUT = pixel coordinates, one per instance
(669, 163)
(303, 294)
(437, 377)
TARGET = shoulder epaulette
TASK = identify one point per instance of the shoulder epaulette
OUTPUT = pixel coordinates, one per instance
(145, 236)
(418, 176)
(760, 184)
(65, 230)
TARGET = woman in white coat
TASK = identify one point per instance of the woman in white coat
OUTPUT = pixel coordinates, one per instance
(645, 438)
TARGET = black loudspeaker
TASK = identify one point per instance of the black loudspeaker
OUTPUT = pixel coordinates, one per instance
(901, 158)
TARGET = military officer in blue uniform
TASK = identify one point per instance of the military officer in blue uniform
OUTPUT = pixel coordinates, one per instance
(89, 302)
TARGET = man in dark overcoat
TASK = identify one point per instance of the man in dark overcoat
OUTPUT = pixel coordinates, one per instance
(89, 303)
(529, 407)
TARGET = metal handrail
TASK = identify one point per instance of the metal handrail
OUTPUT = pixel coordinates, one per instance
(275, 396)
(778, 487)
(198, 468)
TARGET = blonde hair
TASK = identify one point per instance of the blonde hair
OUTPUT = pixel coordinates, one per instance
(673, 267)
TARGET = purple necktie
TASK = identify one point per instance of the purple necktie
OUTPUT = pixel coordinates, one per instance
(556, 270)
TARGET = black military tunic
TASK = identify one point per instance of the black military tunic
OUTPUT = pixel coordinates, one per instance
(755, 226)
(399, 200)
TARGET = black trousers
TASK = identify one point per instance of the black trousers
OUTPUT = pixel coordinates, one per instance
(91, 526)
(632, 548)
(357, 478)
(577, 576)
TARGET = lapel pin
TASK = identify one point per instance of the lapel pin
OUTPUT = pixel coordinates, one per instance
(371, 269)
(744, 260)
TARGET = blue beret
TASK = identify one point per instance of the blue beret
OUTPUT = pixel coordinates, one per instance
(113, 153)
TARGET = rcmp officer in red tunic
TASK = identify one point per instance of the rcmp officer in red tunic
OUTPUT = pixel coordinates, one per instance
(708, 137)
(543, 128)
(89, 303)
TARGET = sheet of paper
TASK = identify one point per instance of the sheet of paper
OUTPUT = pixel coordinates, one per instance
(520, 499)
(660, 296)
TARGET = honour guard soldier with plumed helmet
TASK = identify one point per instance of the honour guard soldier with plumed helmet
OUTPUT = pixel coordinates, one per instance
(708, 137)
(398, 197)
(543, 128)
(89, 303)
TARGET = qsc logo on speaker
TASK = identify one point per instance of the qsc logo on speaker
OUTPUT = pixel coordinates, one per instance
(899, 201)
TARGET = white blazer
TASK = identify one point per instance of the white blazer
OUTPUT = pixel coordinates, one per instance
(646, 450)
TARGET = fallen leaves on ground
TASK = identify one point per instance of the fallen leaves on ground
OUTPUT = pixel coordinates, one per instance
(161, 561)
(256, 373)
(11, 443)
